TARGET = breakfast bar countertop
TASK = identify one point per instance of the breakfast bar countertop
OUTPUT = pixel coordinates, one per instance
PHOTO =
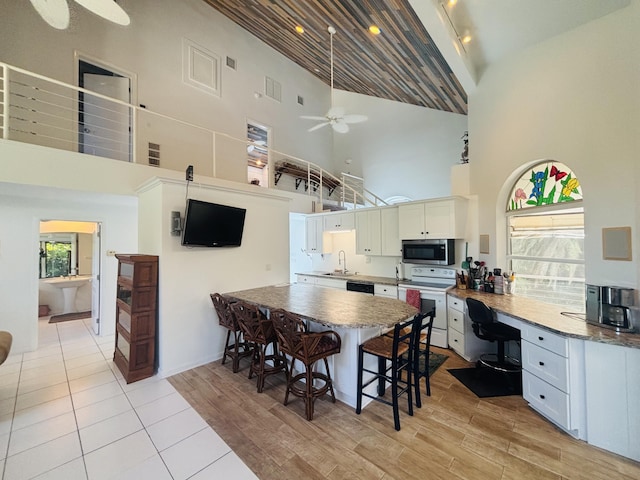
(329, 306)
(549, 317)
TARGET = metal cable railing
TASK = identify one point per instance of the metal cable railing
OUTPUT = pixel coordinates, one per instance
(39, 110)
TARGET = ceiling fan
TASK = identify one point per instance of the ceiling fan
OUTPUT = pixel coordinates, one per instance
(56, 12)
(336, 116)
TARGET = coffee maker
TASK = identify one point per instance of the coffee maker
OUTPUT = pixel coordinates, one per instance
(610, 307)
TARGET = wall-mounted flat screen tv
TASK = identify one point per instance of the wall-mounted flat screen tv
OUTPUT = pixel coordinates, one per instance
(212, 225)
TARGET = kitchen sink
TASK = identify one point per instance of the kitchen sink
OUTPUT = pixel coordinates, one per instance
(338, 274)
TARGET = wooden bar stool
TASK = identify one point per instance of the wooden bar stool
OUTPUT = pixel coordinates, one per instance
(226, 318)
(258, 329)
(398, 350)
(308, 348)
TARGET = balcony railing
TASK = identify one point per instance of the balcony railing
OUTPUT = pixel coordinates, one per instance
(39, 110)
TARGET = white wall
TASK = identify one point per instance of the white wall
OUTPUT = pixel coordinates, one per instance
(575, 99)
(189, 334)
(401, 149)
(151, 49)
(21, 209)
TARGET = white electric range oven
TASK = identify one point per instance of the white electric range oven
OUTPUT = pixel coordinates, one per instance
(433, 284)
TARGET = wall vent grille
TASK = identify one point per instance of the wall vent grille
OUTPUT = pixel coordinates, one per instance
(231, 63)
(154, 154)
(272, 89)
(300, 100)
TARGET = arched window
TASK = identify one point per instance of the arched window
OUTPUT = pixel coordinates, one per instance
(546, 235)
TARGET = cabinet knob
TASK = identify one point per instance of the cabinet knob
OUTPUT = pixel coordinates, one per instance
(542, 397)
(541, 364)
(455, 340)
(541, 338)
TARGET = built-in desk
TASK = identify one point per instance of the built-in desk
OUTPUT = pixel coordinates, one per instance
(582, 377)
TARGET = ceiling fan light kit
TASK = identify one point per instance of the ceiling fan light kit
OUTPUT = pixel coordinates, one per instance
(336, 116)
(56, 12)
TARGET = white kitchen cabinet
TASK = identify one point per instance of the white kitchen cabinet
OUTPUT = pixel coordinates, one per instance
(327, 281)
(339, 222)
(316, 241)
(613, 396)
(553, 377)
(391, 244)
(462, 339)
(368, 235)
(390, 291)
(433, 219)
(330, 282)
(308, 279)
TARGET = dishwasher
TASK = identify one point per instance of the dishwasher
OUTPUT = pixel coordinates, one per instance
(359, 287)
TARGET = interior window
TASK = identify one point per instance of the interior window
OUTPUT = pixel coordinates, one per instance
(546, 236)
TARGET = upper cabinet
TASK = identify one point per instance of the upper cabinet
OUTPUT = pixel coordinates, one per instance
(315, 241)
(368, 234)
(391, 243)
(338, 222)
(432, 219)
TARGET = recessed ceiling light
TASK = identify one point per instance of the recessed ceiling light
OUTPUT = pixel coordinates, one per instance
(451, 3)
(374, 29)
(299, 29)
(465, 38)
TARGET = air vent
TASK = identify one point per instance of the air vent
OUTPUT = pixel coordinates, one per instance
(272, 89)
(154, 154)
(231, 62)
(300, 100)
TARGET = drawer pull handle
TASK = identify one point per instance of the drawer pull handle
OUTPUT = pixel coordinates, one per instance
(540, 338)
(541, 364)
(542, 397)
(455, 340)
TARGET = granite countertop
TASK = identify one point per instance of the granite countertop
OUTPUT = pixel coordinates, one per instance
(354, 277)
(330, 307)
(549, 317)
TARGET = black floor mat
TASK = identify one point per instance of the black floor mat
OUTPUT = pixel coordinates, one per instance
(486, 382)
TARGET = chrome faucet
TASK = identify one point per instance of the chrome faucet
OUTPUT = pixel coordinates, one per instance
(342, 262)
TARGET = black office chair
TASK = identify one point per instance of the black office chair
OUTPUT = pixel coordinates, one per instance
(487, 328)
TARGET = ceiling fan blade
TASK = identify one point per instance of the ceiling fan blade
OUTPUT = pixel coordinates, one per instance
(107, 9)
(312, 117)
(340, 127)
(54, 12)
(354, 118)
(320, 125)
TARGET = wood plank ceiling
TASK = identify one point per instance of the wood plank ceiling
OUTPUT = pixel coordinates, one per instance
(401, 64)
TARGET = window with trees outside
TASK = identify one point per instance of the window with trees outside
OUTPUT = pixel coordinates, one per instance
(546, 236)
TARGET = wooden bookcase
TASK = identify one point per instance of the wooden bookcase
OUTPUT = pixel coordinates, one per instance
(136, 316)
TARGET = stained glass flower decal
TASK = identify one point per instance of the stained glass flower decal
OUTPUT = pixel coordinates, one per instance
(547, 183)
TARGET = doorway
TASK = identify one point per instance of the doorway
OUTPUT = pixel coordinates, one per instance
(258, 138)
(71, 250)
(104, 127)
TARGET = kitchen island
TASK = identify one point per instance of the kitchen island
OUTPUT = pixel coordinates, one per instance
(356, 317)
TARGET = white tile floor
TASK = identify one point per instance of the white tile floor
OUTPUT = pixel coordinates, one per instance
(67, 413)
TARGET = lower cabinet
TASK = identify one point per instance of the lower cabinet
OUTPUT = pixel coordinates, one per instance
(553, 377)
(613, 398)
(390, 291)
(462, 339)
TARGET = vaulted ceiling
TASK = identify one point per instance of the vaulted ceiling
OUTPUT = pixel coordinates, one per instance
(401, 64)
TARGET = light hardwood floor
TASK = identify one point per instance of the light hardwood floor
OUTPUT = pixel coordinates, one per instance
(455, 435)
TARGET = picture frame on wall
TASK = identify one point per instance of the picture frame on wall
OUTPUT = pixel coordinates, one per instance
(616, 243)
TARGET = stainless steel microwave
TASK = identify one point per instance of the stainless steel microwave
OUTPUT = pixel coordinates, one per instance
(429, 252)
